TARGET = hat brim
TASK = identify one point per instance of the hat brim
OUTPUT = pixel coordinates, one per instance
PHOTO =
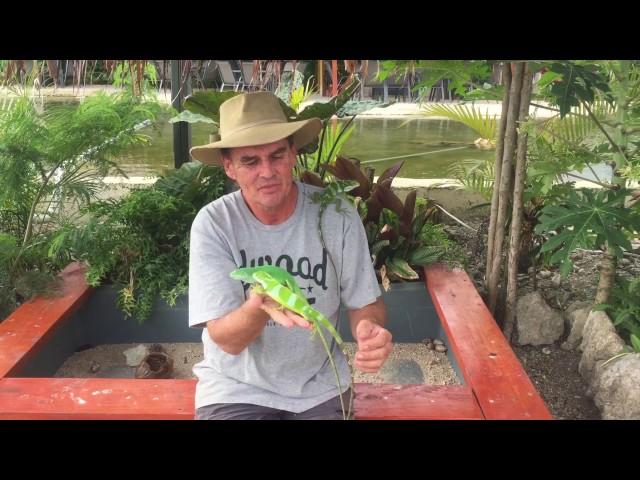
(304, 132)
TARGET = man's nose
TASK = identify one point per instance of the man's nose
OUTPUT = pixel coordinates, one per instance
(266, 169)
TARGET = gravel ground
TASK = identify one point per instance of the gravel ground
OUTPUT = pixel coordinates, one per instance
(553, 371)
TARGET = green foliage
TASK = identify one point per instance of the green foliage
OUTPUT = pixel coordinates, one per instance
(587, 219)
(422, 244)
(402, 236)
(483, 125)
(207, 103)
(65, 150)
(140, 243)
(464, 76)
(125, 75)
(24, 274)
(486, 91)
(289, 88)
(624, 309)
(301, 94)
(314, 159)
(190, 117)
(632, 172)
(474, 175)
(331, 140)
(50, 159)
(325, 110)
(568, 84)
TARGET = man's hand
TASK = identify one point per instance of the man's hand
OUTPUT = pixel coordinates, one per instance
(374, 346)
(279, 315)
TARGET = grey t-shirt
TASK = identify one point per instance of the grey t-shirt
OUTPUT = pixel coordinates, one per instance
(284, 368)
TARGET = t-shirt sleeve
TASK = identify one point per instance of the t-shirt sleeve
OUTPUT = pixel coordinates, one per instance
(359, 285)
(212, 294)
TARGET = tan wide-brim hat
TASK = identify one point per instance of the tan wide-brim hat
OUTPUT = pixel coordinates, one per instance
(255, 119)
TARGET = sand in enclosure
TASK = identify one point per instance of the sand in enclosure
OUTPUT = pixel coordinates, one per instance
(112, 363)
(435, 366)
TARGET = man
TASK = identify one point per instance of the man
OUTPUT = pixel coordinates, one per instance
(260, 362)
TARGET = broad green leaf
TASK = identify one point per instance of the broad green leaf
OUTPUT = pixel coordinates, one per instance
(324, 111)
(425, 255)
(190, 117)
(208, 103)
(401, 268)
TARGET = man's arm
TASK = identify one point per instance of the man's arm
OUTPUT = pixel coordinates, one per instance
(376, 312)
(374, 341)
(236, 330)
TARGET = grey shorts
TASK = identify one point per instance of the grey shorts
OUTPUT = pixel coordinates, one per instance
(329, 410)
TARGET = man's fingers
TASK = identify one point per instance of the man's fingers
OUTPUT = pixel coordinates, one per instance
(379, 354)
(286, 318)
(365, 330)
(368, 367)
(381, 338)
(279, 317)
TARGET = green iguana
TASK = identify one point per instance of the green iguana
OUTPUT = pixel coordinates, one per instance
(279, 285)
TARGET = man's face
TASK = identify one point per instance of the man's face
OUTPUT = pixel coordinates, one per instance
(263, 172)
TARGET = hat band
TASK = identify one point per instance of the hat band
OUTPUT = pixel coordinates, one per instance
(251, 125)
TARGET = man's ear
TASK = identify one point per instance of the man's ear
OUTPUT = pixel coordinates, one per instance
(294, 154)
(228, 167)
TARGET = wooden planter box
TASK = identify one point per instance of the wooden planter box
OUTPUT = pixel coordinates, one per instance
(38, 337)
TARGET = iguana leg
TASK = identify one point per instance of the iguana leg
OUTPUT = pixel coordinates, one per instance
(338, 203)
(257, 289)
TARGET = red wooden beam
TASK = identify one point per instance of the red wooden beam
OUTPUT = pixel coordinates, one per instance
(497, 386)
(96, 399)
(137, 399)
(488, 364)
(415, 402)
(30, 326)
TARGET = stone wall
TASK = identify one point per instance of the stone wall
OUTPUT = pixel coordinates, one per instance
(613, 380)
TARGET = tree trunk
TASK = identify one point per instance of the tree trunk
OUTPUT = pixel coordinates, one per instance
(608, 262)
(607, 269)
(52, 65)
(504, 185)
(506, 75)
(517, 212)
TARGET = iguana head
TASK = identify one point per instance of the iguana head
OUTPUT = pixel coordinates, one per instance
(243, 274)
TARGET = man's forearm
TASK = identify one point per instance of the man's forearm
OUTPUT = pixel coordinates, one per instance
(236, 330)
(375, 312)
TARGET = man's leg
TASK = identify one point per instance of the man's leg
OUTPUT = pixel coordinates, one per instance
(329, 410)
(237, 411)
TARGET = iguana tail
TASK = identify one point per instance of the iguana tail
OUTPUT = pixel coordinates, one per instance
(317, 317)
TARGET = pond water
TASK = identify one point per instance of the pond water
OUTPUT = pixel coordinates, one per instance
(428, 146)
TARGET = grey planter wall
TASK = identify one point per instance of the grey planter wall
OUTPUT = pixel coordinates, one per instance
(412, 317)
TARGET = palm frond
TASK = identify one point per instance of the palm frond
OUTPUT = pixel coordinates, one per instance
(577, 126)
(483, 125)
(475, 175)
